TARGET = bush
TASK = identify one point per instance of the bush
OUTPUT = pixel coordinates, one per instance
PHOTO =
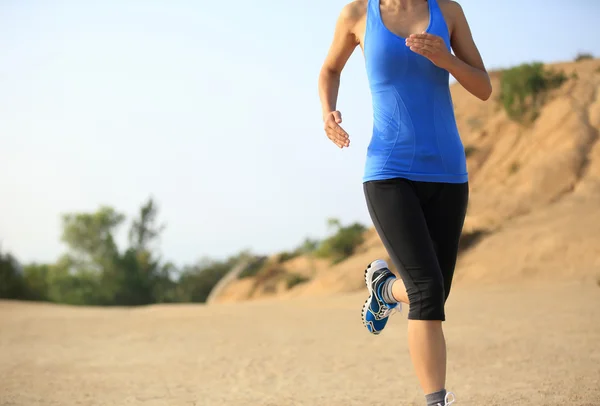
(474, 123)
(268, 278)
(522, 89)
(295, 279)
(582, 56)
(286, 256)
(309, 246)
(35, 277)
(253, 267)
(12, 284)
(470, 150)
(343, 243)
(469, 239)
(197, 281)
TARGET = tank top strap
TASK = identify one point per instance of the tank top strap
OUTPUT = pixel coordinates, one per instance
(373, 14)
(438, 23)
(434, 7)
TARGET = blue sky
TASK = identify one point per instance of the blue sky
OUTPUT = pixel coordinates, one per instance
(211, 108)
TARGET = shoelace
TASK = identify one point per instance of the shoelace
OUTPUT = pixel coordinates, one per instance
(448, 400)
(389, 311)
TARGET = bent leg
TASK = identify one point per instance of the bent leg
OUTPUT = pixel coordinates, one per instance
(398, 217)
(396, 211)
(399, 291)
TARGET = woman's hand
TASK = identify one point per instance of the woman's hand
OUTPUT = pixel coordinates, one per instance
(466, 64)
(431, 47)
(333, 130)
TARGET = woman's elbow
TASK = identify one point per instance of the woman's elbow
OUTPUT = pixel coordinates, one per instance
(485, 96)
(486, 92)
(328, 72)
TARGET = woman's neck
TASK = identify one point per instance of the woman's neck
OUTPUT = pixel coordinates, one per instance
(404, 4)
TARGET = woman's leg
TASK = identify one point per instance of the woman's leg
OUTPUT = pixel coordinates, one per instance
(396, 209)
(445, 216)
(444, 213)
(427, 347)
(399, 291)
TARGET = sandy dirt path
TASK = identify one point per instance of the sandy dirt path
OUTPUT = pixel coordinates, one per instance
(507, 346)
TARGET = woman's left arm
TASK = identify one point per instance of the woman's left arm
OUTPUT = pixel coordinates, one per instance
(467, 66)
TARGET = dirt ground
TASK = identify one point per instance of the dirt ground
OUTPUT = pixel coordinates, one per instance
(534, 345)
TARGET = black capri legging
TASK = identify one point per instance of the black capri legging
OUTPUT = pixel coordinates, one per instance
(420, 224)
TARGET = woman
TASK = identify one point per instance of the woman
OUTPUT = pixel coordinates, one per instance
(415, 180)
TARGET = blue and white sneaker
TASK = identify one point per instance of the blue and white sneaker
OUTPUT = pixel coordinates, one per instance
(376, 311)
(449, 399)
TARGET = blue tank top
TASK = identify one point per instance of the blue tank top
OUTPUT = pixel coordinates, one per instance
(414, 129)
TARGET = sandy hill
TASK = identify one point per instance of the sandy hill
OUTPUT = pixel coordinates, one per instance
(535, 197)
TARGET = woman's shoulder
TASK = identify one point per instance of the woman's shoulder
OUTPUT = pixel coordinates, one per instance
(355, 10)
(352, 17)
(451, 10)
(451, 7)
(448, 3)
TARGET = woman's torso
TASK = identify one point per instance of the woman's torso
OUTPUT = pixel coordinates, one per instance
(414, 129)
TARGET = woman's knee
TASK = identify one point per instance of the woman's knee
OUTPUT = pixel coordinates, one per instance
(427, 300)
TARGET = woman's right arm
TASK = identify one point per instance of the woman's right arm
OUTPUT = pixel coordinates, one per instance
(343, 45)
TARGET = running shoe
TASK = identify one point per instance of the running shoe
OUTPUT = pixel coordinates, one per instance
(375, 311)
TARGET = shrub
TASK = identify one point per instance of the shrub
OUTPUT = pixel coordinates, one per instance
(470, 150)
(474, 123)
(309, 246)
(582, 56)
(469, 239)
(343, 243)
(522, 89)
(268, 278)
(197, 281)
(286, 256)
(254, 267)
(295, 279)
(514, 168)
(12, 285)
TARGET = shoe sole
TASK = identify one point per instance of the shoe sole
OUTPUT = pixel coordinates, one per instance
(368, 275)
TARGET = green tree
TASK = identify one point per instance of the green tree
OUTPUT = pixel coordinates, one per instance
(197, 281)
(144, 230)
(35, 277)
(90, 236)
(11, 279)
(93, 271)
(70, 284)
(90, 265)
(142, 278)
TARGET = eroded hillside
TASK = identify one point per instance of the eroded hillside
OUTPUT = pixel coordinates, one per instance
(535, 198)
